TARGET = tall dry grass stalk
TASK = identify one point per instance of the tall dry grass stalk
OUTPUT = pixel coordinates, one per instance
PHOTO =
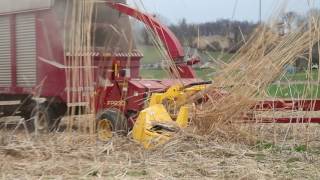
(252, 69)
(80, 74)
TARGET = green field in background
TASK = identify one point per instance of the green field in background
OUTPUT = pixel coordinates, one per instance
(205, 74)
(297, 89)
(209, 55)
(300, 76)
(282, 91)
(294, 91)
(152, 55)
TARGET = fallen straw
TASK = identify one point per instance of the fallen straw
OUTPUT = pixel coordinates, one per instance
(251, 71)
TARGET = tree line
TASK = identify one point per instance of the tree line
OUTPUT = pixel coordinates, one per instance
(188, 33)
(233, 31)
(236, 32)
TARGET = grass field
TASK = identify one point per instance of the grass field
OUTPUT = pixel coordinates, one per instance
(205, 74)
(287, 89)
(294, 91)
(152, 55)
(291, 86)
(209, 55)
(296, 85)
(301, 76)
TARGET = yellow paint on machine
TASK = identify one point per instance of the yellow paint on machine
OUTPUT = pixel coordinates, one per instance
(157, 124)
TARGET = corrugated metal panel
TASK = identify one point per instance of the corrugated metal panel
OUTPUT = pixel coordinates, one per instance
(26, 50)
(5, 51)
(11, 6)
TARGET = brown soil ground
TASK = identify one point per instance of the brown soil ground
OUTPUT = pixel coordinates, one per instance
(284, 152)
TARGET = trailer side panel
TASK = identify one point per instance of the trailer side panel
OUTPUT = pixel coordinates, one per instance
(26, 50)
(5, 52)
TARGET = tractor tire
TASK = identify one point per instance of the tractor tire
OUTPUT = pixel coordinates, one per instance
(43, 119)
(111, 121)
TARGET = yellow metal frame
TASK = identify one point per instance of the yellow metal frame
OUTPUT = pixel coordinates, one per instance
(155, 125)
(104, 129)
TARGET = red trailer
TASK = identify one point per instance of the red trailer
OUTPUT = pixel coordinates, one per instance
(33, 64)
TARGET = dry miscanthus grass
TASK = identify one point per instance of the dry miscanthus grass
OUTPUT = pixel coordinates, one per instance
(75, 155)
(251, 71)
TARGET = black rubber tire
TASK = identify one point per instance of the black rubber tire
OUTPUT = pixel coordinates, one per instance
(26, 109)
(49, 123)
(118, 121)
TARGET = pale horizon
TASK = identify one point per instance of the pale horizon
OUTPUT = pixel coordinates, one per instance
(211, 10)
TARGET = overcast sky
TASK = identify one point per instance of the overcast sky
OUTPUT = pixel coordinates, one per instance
(210, 10)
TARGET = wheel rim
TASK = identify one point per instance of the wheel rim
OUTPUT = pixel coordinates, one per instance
(104, 130)
(41, 121)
